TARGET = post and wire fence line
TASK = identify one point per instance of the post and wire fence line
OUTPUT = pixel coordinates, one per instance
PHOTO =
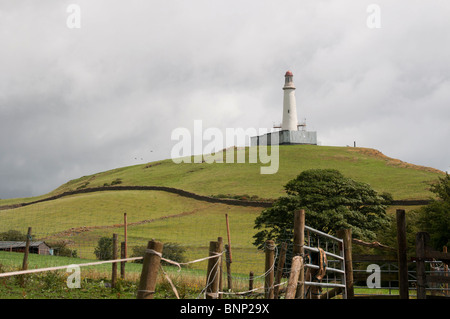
(311, 264)
(423, 275)
(301, 283)
(309, 275)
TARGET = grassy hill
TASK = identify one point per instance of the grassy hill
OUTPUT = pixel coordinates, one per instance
(82, 219)
(384, 174)
(402, 180)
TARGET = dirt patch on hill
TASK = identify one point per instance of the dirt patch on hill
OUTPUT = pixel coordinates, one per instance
(393, 161)
(339, 157)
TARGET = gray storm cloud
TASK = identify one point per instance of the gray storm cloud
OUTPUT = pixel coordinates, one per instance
(77, 101)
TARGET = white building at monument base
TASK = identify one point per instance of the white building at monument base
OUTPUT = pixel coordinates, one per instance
(285, 137)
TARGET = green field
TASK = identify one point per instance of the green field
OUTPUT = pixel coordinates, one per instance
(13, 261)
(80, 220)
(95, 280)
(384, 174)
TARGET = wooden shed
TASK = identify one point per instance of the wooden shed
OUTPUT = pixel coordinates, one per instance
(36, 247)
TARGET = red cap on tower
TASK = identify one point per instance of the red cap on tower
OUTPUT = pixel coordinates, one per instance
(288, 73)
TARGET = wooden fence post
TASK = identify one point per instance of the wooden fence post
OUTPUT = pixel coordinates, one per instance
(220, 240)
(298, 250)
(125, 233)
(281, 261)
(150, 267)
(212, 276)
(122, 256)
(125, 242)
(346, 235)
(114, 265)
(297, 265)
(421, 242)
(401, 255)
(228, 265)
(250, 281)
(444, 250)
(25, 256)
(270, 260)
(229, 238)
(27, 248)
(299, 232)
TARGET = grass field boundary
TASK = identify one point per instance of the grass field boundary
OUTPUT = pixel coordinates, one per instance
(145, 188)
(180, 192)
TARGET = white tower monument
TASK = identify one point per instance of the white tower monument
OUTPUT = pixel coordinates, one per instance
(290, 122)
(289, 133)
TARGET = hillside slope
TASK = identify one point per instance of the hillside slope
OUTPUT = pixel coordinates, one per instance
(81, 219)
(402, 180)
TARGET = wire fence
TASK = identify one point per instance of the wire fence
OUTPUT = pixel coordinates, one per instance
(70, 231)
(259, 279)
(389, 282)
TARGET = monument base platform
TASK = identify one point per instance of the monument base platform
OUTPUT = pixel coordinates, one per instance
(285, 137)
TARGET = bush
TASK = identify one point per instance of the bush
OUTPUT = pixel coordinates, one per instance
(61, 249)
(13, 235)
(220, 196)
(388, 198)
(117, 181)
(172, 251)
(83, 186)
(104, 249)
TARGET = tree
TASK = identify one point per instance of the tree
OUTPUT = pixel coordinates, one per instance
(434, 218)
(13, 235)
(172, 251)
(104, 249)
(60, 249)
(331, 202)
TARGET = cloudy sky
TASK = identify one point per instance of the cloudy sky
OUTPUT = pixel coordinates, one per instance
(76, 101)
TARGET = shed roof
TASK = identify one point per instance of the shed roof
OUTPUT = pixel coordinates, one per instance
(19, 244)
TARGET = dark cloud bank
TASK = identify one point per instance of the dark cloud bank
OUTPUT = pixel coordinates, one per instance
(78, 101)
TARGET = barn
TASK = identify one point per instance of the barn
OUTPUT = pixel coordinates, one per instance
(36, 247)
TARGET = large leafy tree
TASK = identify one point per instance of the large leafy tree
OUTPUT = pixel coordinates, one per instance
(331, 202)
(434, 218)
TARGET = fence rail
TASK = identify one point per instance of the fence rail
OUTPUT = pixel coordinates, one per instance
(308, 245)
(322, 266)
(319, 238)
(402, 275)
(425, 253)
